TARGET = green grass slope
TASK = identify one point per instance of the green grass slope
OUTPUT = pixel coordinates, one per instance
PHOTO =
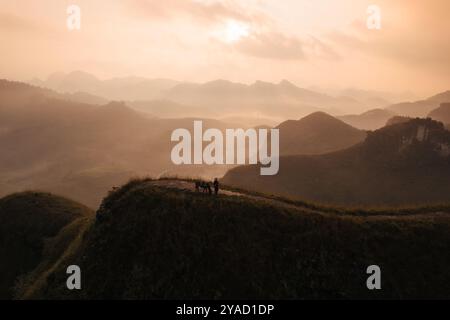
(153, 242)
(27, 221)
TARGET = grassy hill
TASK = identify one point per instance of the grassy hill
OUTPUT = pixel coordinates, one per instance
(317, 133)
(27, 221)
(402, 164)
(155, 242)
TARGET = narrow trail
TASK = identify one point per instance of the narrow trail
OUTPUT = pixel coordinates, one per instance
(189, 186)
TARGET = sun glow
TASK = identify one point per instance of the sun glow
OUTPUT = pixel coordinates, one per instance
(235, 31)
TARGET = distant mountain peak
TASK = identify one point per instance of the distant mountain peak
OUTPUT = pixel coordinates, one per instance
(217, 81)
(75, 75)
(441, 97)
(442, 113)
(286, 83)
(317, 118)
(320, 116)
(220, 83)
(317, 133)
(379, 111)
(262, 84)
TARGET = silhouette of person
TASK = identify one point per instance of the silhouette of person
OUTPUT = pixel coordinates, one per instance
(216, 186)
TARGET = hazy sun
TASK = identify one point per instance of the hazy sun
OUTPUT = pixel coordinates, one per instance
(235, 31)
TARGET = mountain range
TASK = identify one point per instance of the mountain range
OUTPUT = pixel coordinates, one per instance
(127, 88)
(82, 150)
(211, 99)
(268, 102)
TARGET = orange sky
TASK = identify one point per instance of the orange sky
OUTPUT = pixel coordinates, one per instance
(312, 43)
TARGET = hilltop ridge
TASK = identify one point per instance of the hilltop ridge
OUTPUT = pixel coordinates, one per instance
(158, 241)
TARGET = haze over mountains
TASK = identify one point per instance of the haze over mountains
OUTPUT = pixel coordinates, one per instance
(214, 98)
(58, 142)
(377, 118)
(260, 103)
(81, 150)
(129, 88)
(369, 120)
(420, 108)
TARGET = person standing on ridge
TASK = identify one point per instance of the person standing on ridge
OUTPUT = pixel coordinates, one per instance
(216, 186)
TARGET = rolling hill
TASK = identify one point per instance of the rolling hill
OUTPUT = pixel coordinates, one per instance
(317, 133)
(27, 222)
(397, 120)
(402, 164)
(420, 108)
(157, 241)
(441, 114)
(441, 97)
(369, 120)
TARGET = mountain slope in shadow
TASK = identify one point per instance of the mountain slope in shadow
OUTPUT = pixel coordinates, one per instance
(154, 242)
(441, 114)
(27, 221)
(317, 133)
(402, 164)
